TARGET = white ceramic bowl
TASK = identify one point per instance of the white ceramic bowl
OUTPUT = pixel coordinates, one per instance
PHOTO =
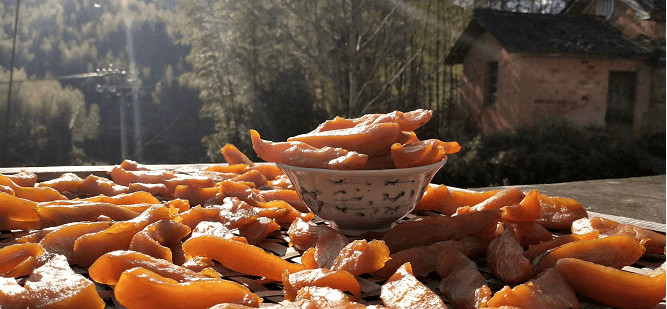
(356, 201)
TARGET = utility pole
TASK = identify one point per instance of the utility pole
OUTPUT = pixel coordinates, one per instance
(5, 162)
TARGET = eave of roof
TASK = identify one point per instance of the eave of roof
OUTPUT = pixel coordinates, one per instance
(539, 34)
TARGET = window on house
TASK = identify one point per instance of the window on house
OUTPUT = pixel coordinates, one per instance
(492, 86)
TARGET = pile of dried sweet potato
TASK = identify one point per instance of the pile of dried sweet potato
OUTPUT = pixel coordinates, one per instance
(373, 141)
(159, 238)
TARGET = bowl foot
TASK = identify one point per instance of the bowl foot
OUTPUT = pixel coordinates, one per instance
(349, 231)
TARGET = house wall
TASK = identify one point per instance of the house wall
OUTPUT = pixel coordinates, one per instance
(533, 89)
(501, 115)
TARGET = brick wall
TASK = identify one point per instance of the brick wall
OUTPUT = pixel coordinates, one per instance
(532, 89)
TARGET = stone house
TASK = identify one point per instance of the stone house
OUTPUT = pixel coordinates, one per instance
(607, 71)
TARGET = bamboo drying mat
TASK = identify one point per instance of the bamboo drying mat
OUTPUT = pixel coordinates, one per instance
(278, 243)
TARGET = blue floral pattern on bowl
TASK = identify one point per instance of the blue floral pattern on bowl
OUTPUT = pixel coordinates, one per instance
(355, 201)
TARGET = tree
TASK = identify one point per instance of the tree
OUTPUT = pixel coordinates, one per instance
(47, 120)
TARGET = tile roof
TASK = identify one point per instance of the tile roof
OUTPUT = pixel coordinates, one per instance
(547, 34)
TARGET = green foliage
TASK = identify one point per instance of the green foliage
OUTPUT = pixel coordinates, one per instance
(549, 154)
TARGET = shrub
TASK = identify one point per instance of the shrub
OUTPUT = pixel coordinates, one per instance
(549, 154)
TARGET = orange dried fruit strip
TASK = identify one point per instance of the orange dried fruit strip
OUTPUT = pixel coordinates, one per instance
(125, 199)
(321, 277)
(531, 233)
(421, 153)
(67, 182)
(527, 210)
(109, 267)
(161, 239)
(118, 236)
(23, 178)
(289, 196)
(301, 154)
(19, 260)
(506, 197)
(13, 295)
(254, 176)
(56, 285)
(240, 257)
(95, 185)
(537, 250)
(55, 214)
(362, 257)
(229, 169)
(125, 177)
(371, 139)
(441, 199)
(611, 286)
(255, 232)
(408, 121)
(403, 290)
(558, 213)
(155, 189)
(17, 213)
(37, 194)
(462, 283)
(325, 241)
(614, 251)
(195, 195)
(61, 239)
(439, 228)
(549, 290)
(233, 155)
(135, 284)
(653, 242)
(505, 258)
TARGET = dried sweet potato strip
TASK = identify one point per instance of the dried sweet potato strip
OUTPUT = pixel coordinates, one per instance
(61, 239)
(161, 239)
(653, 242)
(403, 290)
(505, 258)
(89, 247)
(19, 260)
(362, 257)
(195, 195)
(55, 214)
(67, 182)
(528, 210)
(614, 251)
(238, 256)
(558, 213)
(13, 295)
(462, 283)
(17, 213)
(531, 233)
(549, 290)
(109, 267)
(233, 155)
(135, 284)
(408, 121)
(37, 194)
(439, 228)
(321, 277)
(301, 154)
(506, 197)
(537, 250)
(23, 178)
(369, 139)
(95, 185)
(56, 285)
(611, 286)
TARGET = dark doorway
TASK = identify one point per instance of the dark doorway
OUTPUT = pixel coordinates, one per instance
(621, 103)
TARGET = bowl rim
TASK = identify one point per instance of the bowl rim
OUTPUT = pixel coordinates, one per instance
(408, 170)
